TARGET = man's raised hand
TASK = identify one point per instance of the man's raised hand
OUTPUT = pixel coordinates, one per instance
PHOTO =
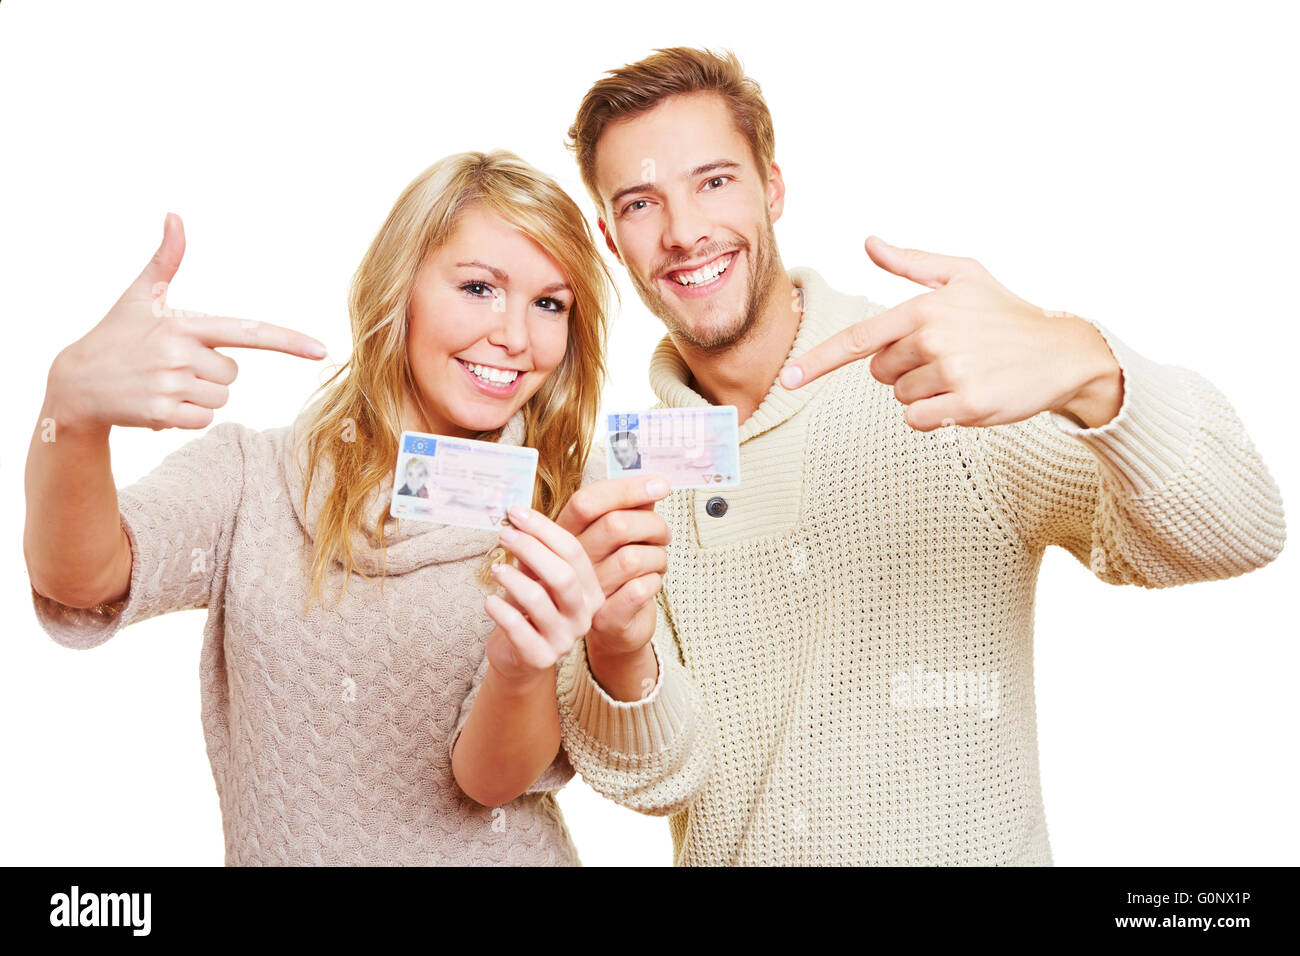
(627, 542)
(971, 352)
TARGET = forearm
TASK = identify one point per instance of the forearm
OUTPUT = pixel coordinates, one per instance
(76, 550)
(1169, 491)
(624, 677)
(511, 735)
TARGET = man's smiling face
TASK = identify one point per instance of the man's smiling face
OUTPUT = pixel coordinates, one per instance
(690, 215)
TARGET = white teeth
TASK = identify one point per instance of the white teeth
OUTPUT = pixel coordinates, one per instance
(489, 374)
(703, 275)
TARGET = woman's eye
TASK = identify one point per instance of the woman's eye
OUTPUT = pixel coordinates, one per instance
(477, 289)
(553, 305)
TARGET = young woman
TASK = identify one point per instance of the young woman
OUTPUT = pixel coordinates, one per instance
(332, 702)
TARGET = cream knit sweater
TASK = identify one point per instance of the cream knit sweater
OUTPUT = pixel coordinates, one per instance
(329, 735)
(847, 653)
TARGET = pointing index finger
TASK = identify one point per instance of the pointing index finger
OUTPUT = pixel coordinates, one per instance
(855, 342)
(222, 330)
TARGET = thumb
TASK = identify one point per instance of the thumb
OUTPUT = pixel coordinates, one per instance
(162, 267)
(927, 268)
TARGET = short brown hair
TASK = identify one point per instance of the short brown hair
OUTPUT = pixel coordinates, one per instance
(639, 87)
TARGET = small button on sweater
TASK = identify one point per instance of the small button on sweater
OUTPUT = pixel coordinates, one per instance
(329, 735)
(847, 652)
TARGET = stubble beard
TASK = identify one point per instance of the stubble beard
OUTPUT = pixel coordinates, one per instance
(720, 336)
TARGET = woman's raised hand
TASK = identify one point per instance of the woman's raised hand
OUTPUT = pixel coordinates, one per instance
(550, 607)
(147, 364)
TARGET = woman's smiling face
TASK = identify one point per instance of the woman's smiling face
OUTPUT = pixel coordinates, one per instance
(489, 321)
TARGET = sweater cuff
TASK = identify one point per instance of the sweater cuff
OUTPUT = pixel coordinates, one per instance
(634, 728)
(1151, 437)
(84, 628)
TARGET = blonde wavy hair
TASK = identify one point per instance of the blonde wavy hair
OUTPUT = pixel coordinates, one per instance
(364, 397)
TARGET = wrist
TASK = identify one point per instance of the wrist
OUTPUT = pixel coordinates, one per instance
(1097, 398)
(626, 675)
(64, 405)
(523, 685)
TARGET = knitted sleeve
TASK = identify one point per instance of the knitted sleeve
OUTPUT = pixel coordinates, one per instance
(652, 755)
(1170, 491)
(553, 777)
(179, 519)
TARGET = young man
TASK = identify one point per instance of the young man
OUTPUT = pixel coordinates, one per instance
(842, 667)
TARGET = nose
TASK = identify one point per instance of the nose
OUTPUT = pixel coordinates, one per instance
(511, 329)
(685, 227)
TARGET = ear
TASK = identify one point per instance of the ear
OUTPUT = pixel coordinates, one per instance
(609, 240)
(775, 192)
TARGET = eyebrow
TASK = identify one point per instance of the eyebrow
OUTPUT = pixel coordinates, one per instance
(496, 273)
(501, 276)
(690, 174)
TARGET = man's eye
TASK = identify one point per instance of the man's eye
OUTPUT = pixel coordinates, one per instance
(718, 179)
(634, 202)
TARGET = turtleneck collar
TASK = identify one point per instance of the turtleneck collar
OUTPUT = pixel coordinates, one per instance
(825, 312)
(410, 544)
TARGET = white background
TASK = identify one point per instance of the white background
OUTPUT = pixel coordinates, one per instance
(1135, 162)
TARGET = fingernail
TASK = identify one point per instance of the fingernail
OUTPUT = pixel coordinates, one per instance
(791, 376)
(656, 487)
(509, 534)
(520, 513)
(316, 349)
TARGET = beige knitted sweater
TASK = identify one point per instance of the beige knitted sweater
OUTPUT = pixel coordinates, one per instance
(847, 653)
(329, 735)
